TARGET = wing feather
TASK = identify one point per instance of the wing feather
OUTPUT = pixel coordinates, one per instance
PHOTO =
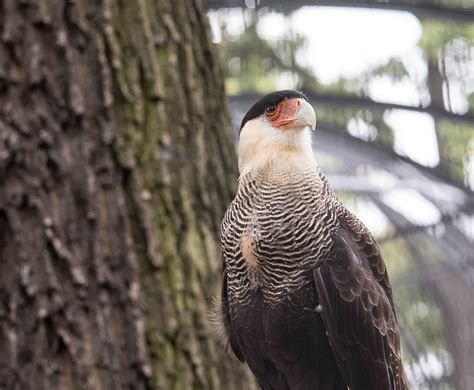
(358, 312)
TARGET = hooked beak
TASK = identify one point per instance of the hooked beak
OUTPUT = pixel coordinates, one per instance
(305, 116)
(295, 114)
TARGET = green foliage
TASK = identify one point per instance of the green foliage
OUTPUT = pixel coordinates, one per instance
(437, 34)
(255, 64)
(423, 317)
(398, 259)
(395, 68)
(458, 142)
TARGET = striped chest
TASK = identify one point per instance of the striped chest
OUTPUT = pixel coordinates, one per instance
(275, 230)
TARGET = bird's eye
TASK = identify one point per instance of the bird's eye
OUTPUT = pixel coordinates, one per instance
(270, 110)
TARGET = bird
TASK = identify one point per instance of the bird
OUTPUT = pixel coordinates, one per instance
(305, 300)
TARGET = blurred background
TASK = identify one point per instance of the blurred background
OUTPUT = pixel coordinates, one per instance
(393, 88)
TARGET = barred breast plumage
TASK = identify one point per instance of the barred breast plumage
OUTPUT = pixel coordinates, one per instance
(289, 217)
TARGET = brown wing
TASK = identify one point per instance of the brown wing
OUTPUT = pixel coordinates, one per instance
(357, 310)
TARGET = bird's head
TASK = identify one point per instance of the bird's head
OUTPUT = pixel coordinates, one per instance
(276, 127)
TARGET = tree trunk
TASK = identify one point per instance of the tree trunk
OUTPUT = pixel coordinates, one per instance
(116, 166)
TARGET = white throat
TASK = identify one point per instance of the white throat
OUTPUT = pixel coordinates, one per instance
(263, 147)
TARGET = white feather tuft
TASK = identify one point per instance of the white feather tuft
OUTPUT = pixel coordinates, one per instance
(216, 321)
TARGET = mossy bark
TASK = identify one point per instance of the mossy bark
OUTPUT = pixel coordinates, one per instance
(116, 166)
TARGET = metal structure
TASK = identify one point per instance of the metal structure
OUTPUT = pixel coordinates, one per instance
(461, 11)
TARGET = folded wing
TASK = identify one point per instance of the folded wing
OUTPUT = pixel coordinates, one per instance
(357, 310)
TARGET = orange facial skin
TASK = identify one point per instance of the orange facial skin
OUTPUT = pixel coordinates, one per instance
(284, 114)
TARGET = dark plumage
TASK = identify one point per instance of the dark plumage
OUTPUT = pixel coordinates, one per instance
(306, 299)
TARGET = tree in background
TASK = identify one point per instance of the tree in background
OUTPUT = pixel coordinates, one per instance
(448, 50)
(116, 166)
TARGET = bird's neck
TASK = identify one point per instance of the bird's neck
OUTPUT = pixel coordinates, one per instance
(291, 153)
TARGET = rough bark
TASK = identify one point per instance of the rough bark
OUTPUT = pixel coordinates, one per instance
(115, 171)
